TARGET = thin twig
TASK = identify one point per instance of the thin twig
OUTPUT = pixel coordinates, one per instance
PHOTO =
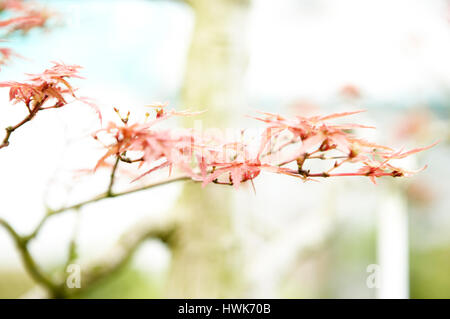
(129, 160)
(113, 177)
(323, 157)
(119, 194)
(10, 129)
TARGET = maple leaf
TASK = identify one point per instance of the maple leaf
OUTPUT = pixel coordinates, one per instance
(283, 141)
(40, 90)
(158, 148)
(400, 154)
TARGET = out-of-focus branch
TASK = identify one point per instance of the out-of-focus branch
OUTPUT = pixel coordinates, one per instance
(115, 260)
(122, 253)
(72, 253)
(52, 212)
(33, 269)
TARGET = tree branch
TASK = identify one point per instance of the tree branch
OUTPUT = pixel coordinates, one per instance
(10, 129)
(57, 289)
(119, 194)
(30, 265)
(122, 253)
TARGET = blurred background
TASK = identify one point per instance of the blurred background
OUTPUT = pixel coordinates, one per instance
(289, 239)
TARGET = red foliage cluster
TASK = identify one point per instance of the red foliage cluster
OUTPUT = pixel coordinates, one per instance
(25, 16)
(284, 141)
(40, 90)
(47, 90)
(165, 147)
(205, 158)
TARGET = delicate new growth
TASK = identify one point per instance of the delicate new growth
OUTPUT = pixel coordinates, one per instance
(157, 148)
(285, 147)
(44, 91)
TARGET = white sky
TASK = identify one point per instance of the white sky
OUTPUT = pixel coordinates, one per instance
(312, 48)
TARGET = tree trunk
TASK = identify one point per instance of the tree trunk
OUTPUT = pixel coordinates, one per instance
(204, 258)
